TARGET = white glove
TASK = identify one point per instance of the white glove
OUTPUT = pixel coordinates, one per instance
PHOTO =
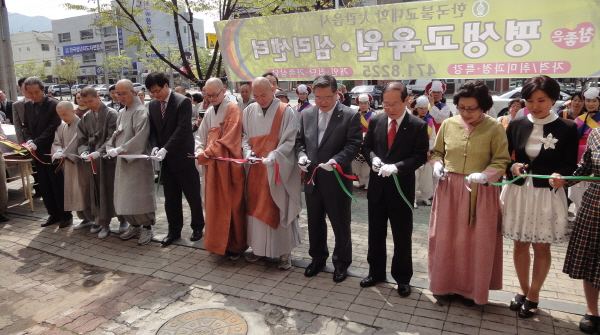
(303, 163)
(160, 155)
(31, 145)
(154, 151)
(270, 159)
(250, 157)
(328, 166)
(478, 178)
(376, 164)
(57, 155)
(94, 155)
(84, 155)
(387, 170)
(113, 152)
(439, 171)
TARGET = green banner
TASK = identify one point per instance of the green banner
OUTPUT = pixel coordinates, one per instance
(429, 39)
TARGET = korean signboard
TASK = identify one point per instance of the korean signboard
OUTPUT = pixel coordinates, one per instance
(90, 47)
(429, 39)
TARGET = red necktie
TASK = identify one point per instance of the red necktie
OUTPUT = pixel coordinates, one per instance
(392, 133)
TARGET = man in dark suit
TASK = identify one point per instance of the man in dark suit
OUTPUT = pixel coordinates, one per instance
(6, 107)
(330, 133)
(396, 142)
(172, 138)
(39, 125)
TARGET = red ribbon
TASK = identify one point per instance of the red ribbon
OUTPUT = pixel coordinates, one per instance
(277, 181)
(339, 170)
(32, 152)
(62, 162)
(94, 170)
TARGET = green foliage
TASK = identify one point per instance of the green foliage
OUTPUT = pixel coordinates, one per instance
(30, 69)
(113, 65)
(67, 71)
(170, 52)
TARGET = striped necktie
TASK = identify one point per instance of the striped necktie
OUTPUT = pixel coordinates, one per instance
(163, 108)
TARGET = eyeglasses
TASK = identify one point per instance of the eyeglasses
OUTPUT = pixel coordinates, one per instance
(213, 96)
(157, 91)
(391, 106)
(468, 110)
(325, 98)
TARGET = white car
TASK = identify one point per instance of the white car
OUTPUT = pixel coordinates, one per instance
(139, 87)
(77, 88)
(102, 91)
(501, 100)
(58, 90)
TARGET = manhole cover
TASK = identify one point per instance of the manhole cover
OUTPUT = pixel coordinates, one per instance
(205, 322)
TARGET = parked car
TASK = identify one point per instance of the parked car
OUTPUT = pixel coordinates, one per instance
(102, 91)
(374, 91)
(58, 90)
(417, 86)
(77, 88)
(501, 100)
(139, 87)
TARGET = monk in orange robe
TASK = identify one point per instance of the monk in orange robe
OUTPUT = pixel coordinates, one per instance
(220, 136)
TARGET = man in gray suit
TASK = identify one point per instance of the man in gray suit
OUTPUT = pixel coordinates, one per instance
(330, 133)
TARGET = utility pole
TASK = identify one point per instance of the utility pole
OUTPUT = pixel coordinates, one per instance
(103, 48)
(8, 82)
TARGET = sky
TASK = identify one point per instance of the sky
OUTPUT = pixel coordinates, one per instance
(54, 10)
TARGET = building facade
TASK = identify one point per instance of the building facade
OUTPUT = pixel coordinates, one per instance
(34, 45)
(79, 39)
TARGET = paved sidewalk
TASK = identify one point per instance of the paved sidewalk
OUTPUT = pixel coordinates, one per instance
(63, 280)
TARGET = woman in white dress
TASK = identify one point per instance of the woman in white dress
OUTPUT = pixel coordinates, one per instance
(535, 212)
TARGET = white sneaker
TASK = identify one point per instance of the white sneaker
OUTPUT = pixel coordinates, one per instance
(285, 262)
(252, 257)
(95, 229)
(145, 236)
(83, 224)
(104, 233)
(427, 202)
(416, 205)
(131, 232)
(123, 226)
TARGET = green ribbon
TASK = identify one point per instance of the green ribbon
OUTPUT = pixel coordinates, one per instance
(402, 193)
(581, 178)
(337, 175)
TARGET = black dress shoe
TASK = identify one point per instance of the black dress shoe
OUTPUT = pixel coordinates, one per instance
(64, 223)
(369, 281)
(340, 275)
(404, 290)
(312, 269)
(37, 195)
(196, 235)
(4, 218)
(169, 239)
(51, 220)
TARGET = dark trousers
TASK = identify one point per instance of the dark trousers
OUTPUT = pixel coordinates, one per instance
(184, 180)
(52, 187)
(401, 221)
(337, 209)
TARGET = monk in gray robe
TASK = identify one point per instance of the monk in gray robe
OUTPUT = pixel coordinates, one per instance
(93, 131)
(134, 178)
(77, 174)
(272, 185)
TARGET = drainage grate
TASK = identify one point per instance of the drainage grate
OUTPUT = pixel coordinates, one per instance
(205, 322)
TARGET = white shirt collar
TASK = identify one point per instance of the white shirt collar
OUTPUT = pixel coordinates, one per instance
(168, 96)
(398, 120)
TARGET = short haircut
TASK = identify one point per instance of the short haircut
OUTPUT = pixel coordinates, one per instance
(519, 101)
(187, 95)
(477, 90)
(215, 81)
(34, 81)
(578, 94)
(544, 83)
(197, 97)
(112, 87)
(21, 81)
(272, 75)
(66, 105)
(324, 81)
(88, 92)
(396, 86)
(159, 79)
(258, 81)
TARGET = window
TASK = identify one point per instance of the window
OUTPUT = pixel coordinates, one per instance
(110, 31)
(64, 37)
(168, 33)
(45, 47)
(28, 49)
(197, 36)
(86, 34)
(47, 63)
(184, 29)
(89, 58)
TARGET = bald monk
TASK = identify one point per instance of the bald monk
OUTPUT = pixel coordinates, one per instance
(245, 97)
(269, 132)
(220, 135)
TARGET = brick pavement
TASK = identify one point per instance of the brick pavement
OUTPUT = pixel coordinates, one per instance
(331, 308)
